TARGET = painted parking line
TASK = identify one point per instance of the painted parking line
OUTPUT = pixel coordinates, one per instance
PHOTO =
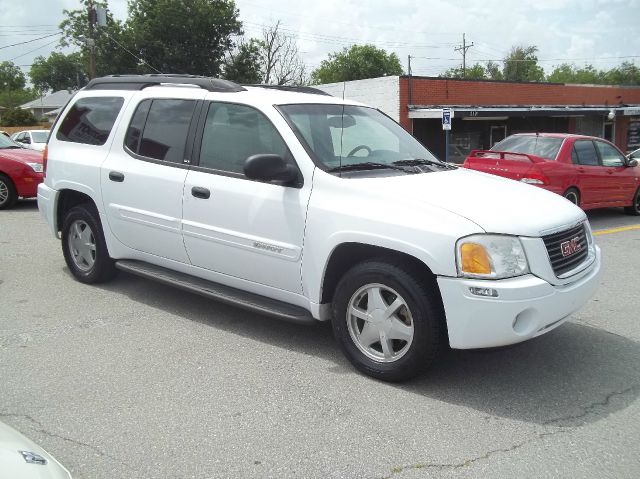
(616, 230)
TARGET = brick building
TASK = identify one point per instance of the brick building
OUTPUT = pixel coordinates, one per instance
(485, 111)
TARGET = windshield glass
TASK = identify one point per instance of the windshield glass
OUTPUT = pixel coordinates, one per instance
(6, 142)
(541, 146)
(342, 135)
(39, 136)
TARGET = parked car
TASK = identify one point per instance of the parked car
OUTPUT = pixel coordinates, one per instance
(308, 208)
(20, 172)
(21, 458)
(32, 139)
(634, 155)
(588, 171)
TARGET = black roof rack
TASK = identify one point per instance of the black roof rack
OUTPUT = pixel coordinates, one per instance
(139, 82)
(298, 89)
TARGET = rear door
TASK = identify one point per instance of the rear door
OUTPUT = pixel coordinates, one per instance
(590, 175)
(143, 177)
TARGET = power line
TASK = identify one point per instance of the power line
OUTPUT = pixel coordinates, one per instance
(30, 41)
(34, 50)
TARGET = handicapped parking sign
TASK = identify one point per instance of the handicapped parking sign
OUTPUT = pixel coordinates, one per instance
(446, 119)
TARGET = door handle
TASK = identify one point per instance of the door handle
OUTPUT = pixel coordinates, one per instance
(580, 170)
(200, 192)
(116, 176)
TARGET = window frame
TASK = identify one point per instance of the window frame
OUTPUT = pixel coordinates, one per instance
(187, 160)
(199, 135)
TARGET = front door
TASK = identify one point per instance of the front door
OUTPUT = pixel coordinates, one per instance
(143, 177)
(235, 226)
(619, 182)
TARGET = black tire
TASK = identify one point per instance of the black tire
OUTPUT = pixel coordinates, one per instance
(634, 209)
(573, 195)
(103, 267)
(425, 312)
(8, 193)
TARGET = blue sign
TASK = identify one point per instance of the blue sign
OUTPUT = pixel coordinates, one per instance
(446, 119)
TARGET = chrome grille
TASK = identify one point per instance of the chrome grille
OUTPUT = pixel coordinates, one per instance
(562, 263)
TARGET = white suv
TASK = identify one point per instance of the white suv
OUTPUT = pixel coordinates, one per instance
(309, 208)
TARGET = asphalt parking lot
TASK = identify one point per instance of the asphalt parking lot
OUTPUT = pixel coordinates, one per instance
(134, 379)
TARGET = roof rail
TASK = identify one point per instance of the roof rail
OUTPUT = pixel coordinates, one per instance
(298, 89)
(140, 82)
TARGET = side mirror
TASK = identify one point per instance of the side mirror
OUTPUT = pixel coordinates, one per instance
(632, 162)
(270, 168)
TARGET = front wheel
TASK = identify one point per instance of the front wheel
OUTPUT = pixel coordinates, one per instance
(634, 209)
(8, 194)
(84, 246)
(572, 195)
(388, 323)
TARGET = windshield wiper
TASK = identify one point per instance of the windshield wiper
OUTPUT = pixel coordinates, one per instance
(370, 165)
(423, 161)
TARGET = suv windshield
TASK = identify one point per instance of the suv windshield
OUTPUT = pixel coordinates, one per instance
(541, 146)
(347, 136)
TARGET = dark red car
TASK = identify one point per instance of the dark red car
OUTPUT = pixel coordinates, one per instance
(20, 172)
(588, 171)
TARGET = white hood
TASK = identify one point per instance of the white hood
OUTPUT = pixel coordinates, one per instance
(497, 205)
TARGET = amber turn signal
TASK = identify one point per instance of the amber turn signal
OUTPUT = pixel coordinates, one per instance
(475, 259)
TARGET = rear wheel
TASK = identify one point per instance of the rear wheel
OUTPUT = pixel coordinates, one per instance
(634, 209)
(388, 322)
(84, 246)
(573, 195)
(8, 194)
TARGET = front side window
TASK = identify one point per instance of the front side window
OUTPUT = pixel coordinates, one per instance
(90, 120)
(158, 129)
(345, 135)
(233, 133)
(542, 146)
(609, 155)
(586, 153)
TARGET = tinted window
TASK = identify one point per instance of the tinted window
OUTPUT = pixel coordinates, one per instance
(165, 131)
(541, 146)
(232, 133)
(90, 120)
(609, 155)
(586, 152)
(134, 132)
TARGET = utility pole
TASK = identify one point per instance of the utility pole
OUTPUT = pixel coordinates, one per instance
(463, 48)
(409, 80)
(91, 41)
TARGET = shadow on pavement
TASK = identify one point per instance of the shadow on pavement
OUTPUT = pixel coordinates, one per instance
(573, 375)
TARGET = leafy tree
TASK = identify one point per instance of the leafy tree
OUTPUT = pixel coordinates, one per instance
(58, 72)
(18, 117)
(111, 41)
(476, 72)
(522, 65)
(190, 36)
(243, 65)
(625, 74)
(13, 98)
(567, 73)
(356, 63)
(11, 77)
(280, 61)
(493, 71)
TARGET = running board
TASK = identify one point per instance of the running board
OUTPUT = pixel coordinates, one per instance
(218, 292)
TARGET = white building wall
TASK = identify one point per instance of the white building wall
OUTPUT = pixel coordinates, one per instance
(382, 93)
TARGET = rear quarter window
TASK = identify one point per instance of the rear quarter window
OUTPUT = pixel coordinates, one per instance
(90, 120)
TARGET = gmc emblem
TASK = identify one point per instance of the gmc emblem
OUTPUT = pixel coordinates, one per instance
(570, 247)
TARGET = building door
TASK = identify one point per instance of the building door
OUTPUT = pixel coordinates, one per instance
(608, 131)
(498, 133)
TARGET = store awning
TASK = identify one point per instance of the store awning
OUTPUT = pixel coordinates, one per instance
(493, 112)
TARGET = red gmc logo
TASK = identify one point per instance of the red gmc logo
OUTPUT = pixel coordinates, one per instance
(570, 247)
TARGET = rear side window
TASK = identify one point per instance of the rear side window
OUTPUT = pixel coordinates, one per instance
(90, 120)
(586, 153)
(158, 129)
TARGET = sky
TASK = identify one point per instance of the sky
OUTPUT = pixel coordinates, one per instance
(603, 33)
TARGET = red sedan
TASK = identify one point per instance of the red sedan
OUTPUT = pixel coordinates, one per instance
(588, 171)
(20, 172)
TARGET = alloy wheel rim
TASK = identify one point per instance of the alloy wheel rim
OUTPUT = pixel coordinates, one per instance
(82, 245)
(4, 192)
(380, 323)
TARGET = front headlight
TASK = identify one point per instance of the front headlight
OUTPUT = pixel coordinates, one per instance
(490, 256)
(37, 167)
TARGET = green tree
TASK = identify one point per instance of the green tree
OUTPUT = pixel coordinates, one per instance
(356, 63)
(113, 43)
(476, 72)
(13, 98)
(493, 71)
(18, 117)
(567, 73)
(522, 65)
(190, 36)
(625, 74)
(243, 65)
(11, 77)
(58, 72)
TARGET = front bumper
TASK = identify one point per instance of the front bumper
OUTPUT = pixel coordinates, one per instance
(526, 307)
